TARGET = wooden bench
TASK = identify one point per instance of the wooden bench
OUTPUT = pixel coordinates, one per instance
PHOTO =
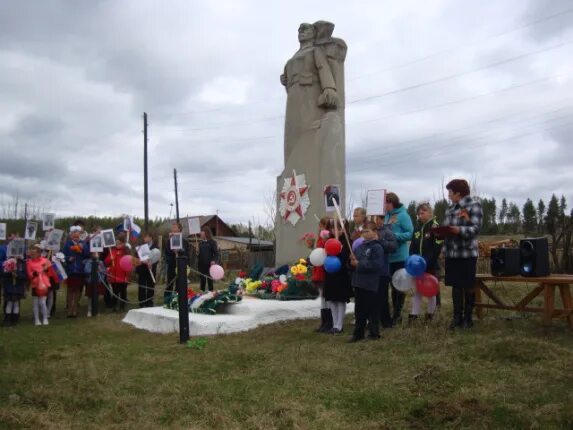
(545, 285)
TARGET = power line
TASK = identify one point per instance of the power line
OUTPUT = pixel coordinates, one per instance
(392, 92)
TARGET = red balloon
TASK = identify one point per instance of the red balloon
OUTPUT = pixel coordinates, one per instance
(333, 247)
(126, 263)
(427, 285)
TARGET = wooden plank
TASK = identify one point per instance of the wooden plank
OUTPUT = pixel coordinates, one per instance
(512, 308)
(533, 294)
(551, 279)
(492, 295)
(549, 303)
(478, 286)
(565, 292)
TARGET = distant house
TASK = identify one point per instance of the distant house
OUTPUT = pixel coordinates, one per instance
(216, 224)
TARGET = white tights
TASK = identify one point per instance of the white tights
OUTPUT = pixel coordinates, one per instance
(12, 307)
(417, 304)
(39, 304)
(338, 310)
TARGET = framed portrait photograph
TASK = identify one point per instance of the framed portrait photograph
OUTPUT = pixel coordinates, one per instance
(54, 239)
(176, 241)
(375, 200)
(96, 243)
(194, 225)
(143, 252)
(2, 231)
(16, 248)
(31, 229)
(331, 195)
(48, 221)
(108, 238)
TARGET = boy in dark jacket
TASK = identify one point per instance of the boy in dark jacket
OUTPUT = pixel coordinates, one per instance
(369, 265)
(426, 244)
(207, 255)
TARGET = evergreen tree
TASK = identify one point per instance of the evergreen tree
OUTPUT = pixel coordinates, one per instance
(552, 217)
(514, 217)
(529, 217)
(540, 214)
(503, 213)
(440, 209)
(489, 225)
(412, 212)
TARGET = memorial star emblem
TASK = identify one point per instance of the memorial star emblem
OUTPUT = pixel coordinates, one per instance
(294, 200)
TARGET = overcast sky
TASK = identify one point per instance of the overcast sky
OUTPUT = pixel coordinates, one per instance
(434, 90)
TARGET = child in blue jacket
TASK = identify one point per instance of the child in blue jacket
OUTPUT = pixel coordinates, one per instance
(369, 265)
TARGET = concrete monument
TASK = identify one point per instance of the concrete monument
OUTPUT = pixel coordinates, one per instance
(314, 147)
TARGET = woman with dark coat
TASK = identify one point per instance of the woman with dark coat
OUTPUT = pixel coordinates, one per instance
(207, 256)
(337, 286)
(463, 221)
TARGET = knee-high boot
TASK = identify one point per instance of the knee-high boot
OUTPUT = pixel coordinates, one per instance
(458, 303)
(468, 308)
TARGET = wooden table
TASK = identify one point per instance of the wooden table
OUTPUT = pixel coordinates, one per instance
(546, 285)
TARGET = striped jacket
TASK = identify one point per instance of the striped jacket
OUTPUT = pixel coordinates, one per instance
(467, 215)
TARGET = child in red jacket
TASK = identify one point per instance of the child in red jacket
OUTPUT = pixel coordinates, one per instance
(37, 268)
(117, 276)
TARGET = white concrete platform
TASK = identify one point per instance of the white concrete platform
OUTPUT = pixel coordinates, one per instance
(246, 315)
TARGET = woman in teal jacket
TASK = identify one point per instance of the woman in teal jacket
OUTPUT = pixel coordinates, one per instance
(401, 224)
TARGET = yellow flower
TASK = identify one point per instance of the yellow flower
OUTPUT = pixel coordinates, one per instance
(302, 261)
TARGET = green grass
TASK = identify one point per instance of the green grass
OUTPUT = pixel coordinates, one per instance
(506, 373)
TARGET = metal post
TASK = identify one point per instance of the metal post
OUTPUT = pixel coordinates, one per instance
(182, 297)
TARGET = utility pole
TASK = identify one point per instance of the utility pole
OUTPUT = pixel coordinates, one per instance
(176, 196)
(145, 190)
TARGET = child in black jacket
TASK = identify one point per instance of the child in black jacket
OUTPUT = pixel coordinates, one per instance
(424, 243)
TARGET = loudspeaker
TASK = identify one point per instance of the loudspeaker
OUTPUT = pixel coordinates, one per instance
(505, 261)
(534, 256)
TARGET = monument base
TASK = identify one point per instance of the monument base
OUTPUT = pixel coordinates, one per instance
(246, 315)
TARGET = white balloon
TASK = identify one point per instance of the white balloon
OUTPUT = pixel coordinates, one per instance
(402, 281)
(317, 256)
(154, 255)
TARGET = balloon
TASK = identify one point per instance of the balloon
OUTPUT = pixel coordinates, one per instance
(216, 272)
(283, 279)
(41, 290)
(126, 263)
(427, 285)
(333, 247)
(415, 265)
(402, 281)
(357, 243)
(332, 264)
(154, 255)
(325, 234)
(317, 257)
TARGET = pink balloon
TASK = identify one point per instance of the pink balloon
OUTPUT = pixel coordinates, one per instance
(126, 263)
(216, 272)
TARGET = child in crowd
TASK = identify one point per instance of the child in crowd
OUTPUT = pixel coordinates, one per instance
(368, 263)
(144, 278)
(94, 286)
(14, 279)
(37, 268)
(318, 277)
(337, 289)
(75, 251)
(117, 276)
(389, 244)
(424, 243)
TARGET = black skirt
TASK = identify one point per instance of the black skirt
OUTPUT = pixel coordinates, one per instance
(461, 272)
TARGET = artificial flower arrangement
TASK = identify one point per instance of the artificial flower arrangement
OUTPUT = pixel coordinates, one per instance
(206, 302)
(309, 239)
(287, 283)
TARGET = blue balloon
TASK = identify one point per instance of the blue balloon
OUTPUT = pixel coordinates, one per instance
(357, 243)
(332, 264)
(415, 265)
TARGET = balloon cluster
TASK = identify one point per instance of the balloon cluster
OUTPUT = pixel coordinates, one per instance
(327, 256)
(414, 275)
